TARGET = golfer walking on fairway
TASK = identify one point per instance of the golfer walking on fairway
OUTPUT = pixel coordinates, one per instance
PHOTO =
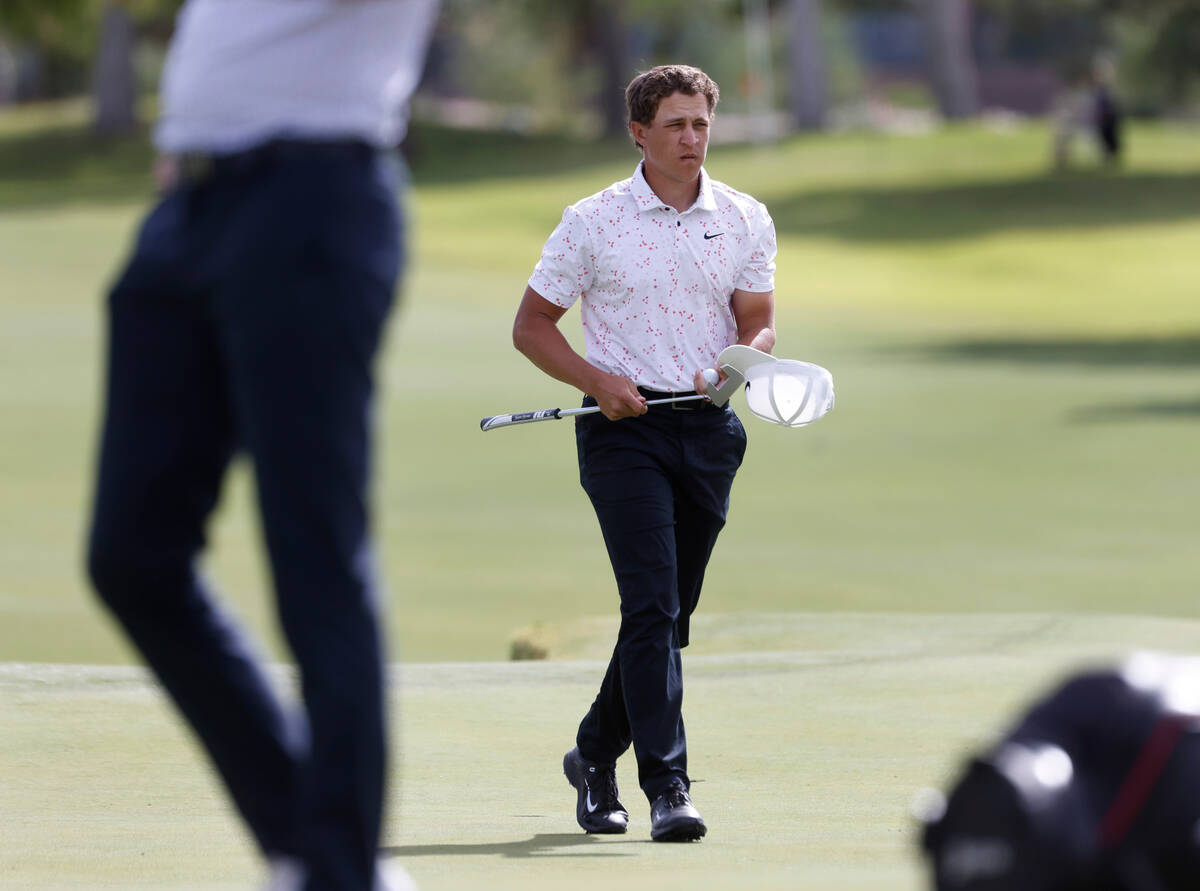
(248, 319)
(669, 267)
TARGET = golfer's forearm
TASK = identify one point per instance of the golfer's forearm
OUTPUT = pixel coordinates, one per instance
(760, 338)
(544, 345)
(754, 314)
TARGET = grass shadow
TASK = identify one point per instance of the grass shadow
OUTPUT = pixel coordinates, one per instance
(1168, 351)
(1185, 410)
(541, 845)
(922, 212)
(67, 164)
(445, 156)
(1180, 351)
(62, 164)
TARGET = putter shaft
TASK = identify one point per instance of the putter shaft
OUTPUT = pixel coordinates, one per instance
(553, 414)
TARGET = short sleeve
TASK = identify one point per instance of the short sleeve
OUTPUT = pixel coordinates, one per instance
(568, 265)
(758, 269)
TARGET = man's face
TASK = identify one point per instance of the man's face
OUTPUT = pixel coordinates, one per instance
(676, 141)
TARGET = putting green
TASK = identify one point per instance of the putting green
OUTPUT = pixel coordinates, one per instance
(809, 734)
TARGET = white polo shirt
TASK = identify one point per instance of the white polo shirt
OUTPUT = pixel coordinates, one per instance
(240, 72)
(655, 283)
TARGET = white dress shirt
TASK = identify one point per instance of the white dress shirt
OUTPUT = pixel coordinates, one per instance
(656, 283)
(240, 72)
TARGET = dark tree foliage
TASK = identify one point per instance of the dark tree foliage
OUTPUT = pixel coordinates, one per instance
(88, 46)
(596, 31)
(1175, 49)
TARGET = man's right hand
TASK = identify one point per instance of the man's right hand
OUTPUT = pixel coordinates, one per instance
(617, 396)
(536, 334)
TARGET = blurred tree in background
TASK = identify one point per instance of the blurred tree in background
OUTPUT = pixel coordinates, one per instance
(568, 63)
(805, 64)
(1155, 43)
(1161, 43)
(63, 48)
(56, 38)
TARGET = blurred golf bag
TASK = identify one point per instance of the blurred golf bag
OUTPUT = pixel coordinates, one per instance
(1096, 788)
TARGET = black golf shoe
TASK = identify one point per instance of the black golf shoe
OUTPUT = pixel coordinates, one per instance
(673, 818)
(597, 809)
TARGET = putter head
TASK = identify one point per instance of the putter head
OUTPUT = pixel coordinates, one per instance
(734, 362)
(743, 358)
(719, 393)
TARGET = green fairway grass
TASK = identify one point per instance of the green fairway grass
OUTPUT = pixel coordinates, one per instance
(1006, 488)
(1016, 354)
(809, 736)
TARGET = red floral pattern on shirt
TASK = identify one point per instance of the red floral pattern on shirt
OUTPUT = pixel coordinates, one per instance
(655, 284)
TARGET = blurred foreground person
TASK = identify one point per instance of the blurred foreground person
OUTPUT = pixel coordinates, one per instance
(669, 268)
(248, 319)
(1097, 788)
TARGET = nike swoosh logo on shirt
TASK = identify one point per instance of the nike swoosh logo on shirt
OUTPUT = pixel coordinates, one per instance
(707, 236)
(591, 806)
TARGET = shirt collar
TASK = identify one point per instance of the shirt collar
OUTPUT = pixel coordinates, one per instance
(647, 200)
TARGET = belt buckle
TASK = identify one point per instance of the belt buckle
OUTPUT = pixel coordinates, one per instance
(683, 406)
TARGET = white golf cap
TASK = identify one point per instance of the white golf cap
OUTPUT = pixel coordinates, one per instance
(788, 392)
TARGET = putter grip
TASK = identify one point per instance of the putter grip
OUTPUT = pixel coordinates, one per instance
(524, 417)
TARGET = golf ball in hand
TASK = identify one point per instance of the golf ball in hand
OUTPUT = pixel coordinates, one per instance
(711, 376)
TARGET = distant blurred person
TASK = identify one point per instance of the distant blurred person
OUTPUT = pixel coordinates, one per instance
(1072, 117)
(1106, 112)
(1096, 788)
(669, 268)
(248, 319)
(1088, 109)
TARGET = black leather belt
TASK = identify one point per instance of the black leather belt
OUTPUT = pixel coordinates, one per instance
(197, 167)
(690, 405)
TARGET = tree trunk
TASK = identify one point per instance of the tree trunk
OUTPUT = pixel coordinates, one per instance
(8, 74)
(114, 90)
(608, 36)
(951, 64)
(809, 79)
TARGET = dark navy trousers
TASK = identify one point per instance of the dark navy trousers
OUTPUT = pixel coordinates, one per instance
(247, 320)
(660, 486)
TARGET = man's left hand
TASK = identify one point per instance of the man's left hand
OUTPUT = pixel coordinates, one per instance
(701, 385)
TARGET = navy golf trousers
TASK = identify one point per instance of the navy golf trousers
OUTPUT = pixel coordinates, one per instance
(660, 486)
(247, 320)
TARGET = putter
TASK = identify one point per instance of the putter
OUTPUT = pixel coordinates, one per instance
(783, 391)
(717, 394)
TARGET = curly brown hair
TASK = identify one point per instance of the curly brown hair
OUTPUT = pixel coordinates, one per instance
(649, 88)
